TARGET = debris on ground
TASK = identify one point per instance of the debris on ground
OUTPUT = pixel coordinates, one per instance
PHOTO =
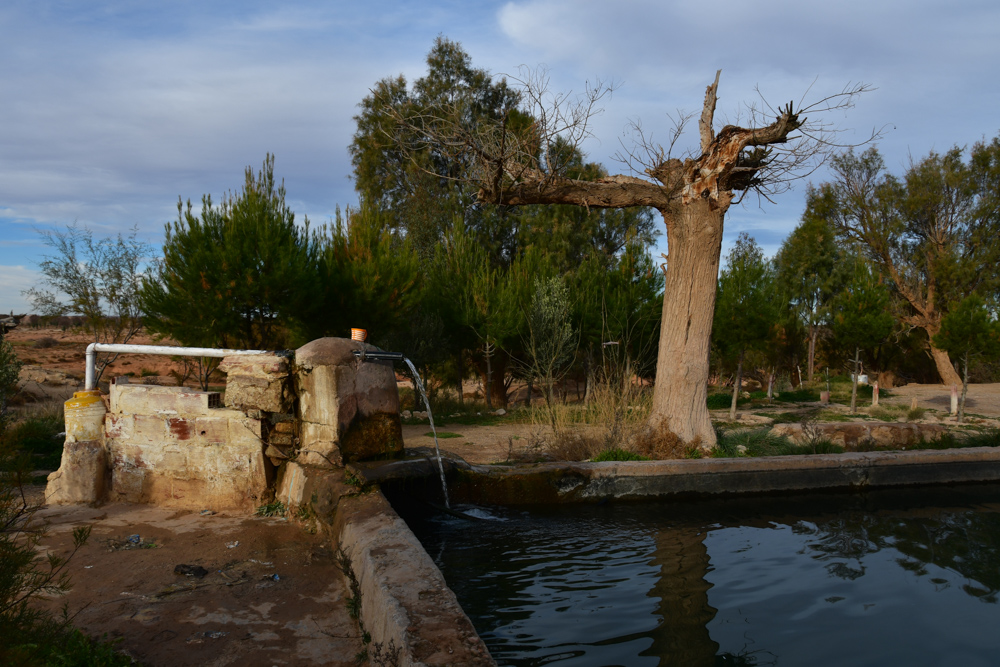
(191, 571)
(127, 543)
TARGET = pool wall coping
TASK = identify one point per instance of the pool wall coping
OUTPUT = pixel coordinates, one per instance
(562, 482)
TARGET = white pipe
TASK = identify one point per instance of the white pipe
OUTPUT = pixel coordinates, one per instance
(93, 348)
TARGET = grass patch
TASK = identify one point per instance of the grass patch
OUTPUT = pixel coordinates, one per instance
(886, 413)
(616, 454)
(913, 414)
(273, 508)
(444, 435)
(834, 416)
(760, 442)
(990, 438)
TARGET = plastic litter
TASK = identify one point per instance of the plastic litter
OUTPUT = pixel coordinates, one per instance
(134, 539)
(232, 545)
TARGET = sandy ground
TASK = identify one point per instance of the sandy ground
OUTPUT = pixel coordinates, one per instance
(276, 597)
(982, 399)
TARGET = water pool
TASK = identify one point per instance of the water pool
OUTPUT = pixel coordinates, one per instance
(887, 577)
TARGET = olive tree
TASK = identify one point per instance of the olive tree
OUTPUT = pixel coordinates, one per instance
(512, 164)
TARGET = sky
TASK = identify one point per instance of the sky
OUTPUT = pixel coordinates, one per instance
(111, 111)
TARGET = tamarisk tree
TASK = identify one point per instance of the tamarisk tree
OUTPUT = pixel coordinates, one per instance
(513, 163)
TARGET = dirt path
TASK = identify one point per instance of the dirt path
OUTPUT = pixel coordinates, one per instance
(275, 598)
(476, 444)
(982, 399)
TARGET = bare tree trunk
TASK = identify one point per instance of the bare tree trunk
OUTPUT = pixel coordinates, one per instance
(770, 384)
(965, 387)
(488, 353)
(737, 385)
(813, 334)
(459, 378)
(854, 382)
(694, 238)
(944, 366)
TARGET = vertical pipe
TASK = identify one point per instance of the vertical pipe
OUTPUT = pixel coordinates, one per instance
(89, 381)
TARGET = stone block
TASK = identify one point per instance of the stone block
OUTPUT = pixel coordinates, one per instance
(153, 399)
(258, 382)
(188, 475)
(356, 402)
(81, 477)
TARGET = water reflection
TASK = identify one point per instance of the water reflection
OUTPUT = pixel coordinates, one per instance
(884, 577)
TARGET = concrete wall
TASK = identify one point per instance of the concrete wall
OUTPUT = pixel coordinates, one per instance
(171, 446)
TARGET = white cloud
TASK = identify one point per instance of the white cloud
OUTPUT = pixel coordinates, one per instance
(13, 281)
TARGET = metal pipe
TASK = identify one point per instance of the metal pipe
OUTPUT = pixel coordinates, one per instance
(167, 350)
(377, 355)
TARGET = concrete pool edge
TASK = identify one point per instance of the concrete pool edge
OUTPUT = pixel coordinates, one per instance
(568, 482)
(405, 603)
(405, 600)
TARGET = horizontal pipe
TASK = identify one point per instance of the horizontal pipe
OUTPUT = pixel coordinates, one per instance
(167, 350)
(378, 355)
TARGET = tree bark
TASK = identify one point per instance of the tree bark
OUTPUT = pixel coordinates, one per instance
(965, 387)
(944, 366)
(737, 385)
(813, 333)
(694, 242)
(854, 381)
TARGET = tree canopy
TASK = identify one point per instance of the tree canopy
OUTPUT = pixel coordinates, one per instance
(931, 233)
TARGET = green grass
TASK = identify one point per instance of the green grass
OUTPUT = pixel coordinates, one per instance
(273, 508)
(990, 438)
(615, 454)
(760, 442)
(443, 435)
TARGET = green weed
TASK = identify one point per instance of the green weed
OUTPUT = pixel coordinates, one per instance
(273, 508)
(616, 454)
(444, 435)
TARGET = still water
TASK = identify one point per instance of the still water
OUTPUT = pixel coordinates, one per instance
(874, 579)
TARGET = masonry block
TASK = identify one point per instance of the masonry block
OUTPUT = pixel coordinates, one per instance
(258, 382)
(154, 399)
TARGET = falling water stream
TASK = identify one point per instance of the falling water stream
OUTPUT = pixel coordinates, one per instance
(430, 417)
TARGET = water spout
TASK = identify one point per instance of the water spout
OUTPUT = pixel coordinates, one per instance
(430, 417)
(379, 355)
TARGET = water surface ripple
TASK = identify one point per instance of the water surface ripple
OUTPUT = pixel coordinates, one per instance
(881, 578)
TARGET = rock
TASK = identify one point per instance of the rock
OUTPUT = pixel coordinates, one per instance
(259, 381)
(405, 414)
(500, 413)
(742, 449)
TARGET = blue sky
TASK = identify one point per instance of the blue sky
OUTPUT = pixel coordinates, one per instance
(111, 110)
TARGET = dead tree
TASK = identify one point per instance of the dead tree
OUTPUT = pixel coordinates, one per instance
(512, 167)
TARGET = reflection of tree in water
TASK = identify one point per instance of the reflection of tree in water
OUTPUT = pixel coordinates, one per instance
(965, 542)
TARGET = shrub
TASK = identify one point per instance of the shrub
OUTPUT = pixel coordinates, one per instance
(719, 401)
(36, 435)
(618, 455)
(913, 414)
(45, 343)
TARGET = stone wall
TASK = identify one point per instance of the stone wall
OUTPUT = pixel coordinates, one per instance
(286, 426)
